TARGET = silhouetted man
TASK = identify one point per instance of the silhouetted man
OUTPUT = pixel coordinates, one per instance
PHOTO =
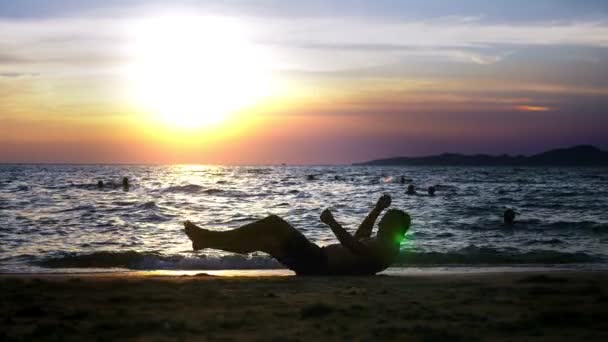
(358, 254)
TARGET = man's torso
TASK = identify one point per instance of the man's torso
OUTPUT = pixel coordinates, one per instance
(341, 260)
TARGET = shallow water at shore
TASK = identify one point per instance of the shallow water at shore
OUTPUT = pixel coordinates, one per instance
(54, 217)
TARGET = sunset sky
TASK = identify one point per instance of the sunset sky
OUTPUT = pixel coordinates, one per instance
(303, 82)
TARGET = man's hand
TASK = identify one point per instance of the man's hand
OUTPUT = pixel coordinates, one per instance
(383, 202)
(327, 217)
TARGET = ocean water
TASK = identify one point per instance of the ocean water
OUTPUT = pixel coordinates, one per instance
(54, 218)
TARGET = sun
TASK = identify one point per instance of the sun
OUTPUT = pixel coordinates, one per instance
(193, 71)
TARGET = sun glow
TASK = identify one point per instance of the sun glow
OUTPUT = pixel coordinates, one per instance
(192, 72)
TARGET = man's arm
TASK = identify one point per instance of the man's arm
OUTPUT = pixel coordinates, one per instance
(343, 236)
(366, 227)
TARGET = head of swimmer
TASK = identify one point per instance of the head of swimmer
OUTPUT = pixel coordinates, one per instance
(509, 216)
(393, 225)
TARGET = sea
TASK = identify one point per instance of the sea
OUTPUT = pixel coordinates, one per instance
(54, 218)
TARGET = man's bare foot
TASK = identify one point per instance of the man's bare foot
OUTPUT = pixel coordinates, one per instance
(195, 234)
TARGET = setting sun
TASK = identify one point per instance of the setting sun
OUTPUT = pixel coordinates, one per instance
(191, 72)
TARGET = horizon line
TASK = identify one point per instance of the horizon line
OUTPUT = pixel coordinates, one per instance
(289, 164)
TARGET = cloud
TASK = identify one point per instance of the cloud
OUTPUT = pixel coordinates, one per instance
(439, 32)
(60, 45)
(322, 43)
(343, 43)
(530, 108)
(18, 74)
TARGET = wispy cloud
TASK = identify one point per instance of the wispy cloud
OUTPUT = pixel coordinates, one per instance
(529, 108)
(307, 43)
(456, 39)
(18, 74)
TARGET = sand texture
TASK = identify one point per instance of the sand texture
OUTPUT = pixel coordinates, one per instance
(468, 307)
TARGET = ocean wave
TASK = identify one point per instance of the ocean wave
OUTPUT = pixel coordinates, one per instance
(473, 255)
(531, 225)
(544, 242)
(444, 187)
(188, 188)
(192, 189)
(396, 179)
(156, 261)
(150, 205)
(576, 226)
(213, 191)
(257, 171)
(86, 207)
(600, 228)
(444, 235)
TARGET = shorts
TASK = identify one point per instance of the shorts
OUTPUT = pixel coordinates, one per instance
(302, 256)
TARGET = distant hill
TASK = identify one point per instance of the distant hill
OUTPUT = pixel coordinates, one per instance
(583, 155)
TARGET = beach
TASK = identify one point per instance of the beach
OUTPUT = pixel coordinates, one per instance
(531, 306)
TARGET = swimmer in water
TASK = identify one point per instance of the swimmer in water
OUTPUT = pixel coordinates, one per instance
(358, 254)
(100, 184)
(411, 189)
(431, 191)
(509, 217)
(125, 183)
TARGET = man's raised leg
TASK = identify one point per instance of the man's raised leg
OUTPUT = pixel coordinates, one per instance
(266, 235)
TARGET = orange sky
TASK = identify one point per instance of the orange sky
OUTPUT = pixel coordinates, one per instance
(230, 86)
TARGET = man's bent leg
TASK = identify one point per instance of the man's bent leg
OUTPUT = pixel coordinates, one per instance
(271, 235)
(265, 235)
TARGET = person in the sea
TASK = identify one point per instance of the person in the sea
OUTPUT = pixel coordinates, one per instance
(509, 217)
(125, 183)
(411, 189)
(431, 191)
(100, 184)
(358, 254)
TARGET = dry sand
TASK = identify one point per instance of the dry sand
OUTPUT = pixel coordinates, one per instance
(551, 306)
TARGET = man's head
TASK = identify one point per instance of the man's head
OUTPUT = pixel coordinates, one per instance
(509, 216)
(393, 225)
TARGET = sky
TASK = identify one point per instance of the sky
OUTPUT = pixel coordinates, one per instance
(314, 82)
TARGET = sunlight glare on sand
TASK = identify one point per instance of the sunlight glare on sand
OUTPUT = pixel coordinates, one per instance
(222, 273)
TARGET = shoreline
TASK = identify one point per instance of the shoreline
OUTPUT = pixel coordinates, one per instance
(537, 306)
(392, 271)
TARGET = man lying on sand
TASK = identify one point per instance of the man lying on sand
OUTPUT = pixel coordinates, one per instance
(360, 254)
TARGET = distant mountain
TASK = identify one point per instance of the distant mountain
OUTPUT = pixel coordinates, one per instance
(583, 155)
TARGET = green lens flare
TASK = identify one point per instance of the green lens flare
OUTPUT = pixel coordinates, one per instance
(404, 240)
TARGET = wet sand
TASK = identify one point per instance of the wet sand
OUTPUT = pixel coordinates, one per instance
(459, 307)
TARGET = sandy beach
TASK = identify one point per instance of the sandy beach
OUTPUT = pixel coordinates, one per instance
(527, 306)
